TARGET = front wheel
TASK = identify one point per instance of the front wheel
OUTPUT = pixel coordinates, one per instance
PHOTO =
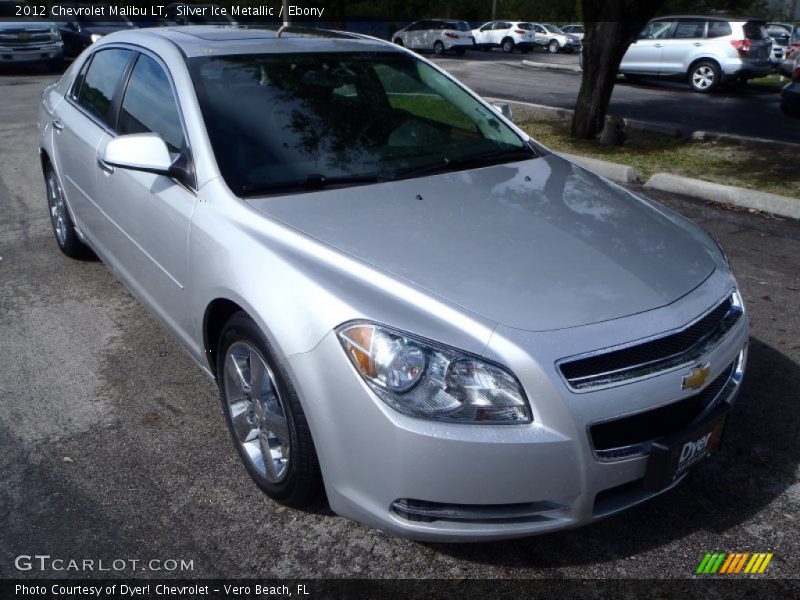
(438, 48)
(704, 77)
(553, 47)
(264, 416)
(508, 45)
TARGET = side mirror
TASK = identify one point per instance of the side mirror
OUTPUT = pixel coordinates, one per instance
(139, 152)
(504, 109)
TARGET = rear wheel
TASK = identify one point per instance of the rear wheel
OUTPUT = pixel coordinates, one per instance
(264, 416)
(63, 227)
(704, 76)
(438, 47)
(508, 45)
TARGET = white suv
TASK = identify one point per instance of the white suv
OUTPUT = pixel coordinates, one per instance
(438, 35)
(508, 35)
(705, 50)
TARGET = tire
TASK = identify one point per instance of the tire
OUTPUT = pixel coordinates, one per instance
(63, 226)
(704, 76)
(507, 45)
(438, 48)
(553, 47)
(267, 419)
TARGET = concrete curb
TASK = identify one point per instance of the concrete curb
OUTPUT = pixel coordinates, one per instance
(783, 206)
(552, 66)
(610, 170)
(745, 140)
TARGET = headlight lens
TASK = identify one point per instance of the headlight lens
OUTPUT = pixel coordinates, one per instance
(95, 37)
(423, 379)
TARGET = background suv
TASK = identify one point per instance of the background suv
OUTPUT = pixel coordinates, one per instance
(508, 35)
(705, 50)
(31, 42)
(439, 35)
(547, 34)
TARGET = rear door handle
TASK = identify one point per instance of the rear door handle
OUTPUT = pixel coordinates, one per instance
(656, 45)
(104, 166)
(698, 43)
(58, 125)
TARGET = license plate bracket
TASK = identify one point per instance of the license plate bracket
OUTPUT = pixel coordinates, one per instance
(673, 456)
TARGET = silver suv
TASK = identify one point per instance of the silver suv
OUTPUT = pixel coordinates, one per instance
(705, 50)
(438, 35)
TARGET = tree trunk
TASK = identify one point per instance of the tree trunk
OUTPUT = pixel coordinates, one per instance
(610, 26)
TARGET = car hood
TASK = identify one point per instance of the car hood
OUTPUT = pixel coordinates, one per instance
(537, 245)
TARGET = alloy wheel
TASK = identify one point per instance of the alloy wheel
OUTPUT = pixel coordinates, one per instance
(256, 410)
(703, 77)
(58, 209)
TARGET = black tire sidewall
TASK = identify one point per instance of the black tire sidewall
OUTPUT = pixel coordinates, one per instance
(301, 486)
(438, 48)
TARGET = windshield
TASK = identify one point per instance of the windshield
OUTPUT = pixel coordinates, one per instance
(277, 120)
(552, 28)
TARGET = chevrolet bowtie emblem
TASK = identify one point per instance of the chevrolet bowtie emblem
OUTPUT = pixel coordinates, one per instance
(696, 377)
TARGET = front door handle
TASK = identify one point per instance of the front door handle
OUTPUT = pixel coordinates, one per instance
(104, 166)
(698, 43)
(58, 125)
(656, 45)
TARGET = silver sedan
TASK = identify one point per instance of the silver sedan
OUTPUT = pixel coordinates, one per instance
(408, 304)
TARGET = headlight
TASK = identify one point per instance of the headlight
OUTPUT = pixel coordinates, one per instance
(95, 37)
(423, 379)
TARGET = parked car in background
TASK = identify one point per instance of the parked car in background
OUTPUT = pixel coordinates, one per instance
(436, 35)
(508, 35)
(706, 51)
(410, 307)
(792, 51)
(29, 42)
(790, 94)
(554, 39)
(83, 30)
(780, 34)
(574, 30)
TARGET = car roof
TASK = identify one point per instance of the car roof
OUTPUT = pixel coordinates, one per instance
(205, 40)
(728, 18)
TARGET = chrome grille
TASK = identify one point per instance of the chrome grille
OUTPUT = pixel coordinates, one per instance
(648, 357)
(29, 37)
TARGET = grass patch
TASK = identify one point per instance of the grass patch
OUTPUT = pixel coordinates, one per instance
(757, 168)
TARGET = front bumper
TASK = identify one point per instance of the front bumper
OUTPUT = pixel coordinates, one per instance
(44, 53)
(430, 480)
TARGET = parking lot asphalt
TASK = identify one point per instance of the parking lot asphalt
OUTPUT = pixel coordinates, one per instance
(114, 446)
(752, 111)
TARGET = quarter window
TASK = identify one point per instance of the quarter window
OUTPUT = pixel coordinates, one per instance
(101, 80)
(718, 29)
(149, 105)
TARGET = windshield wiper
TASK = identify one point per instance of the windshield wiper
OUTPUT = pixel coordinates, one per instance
(472, 160)
(310, 182)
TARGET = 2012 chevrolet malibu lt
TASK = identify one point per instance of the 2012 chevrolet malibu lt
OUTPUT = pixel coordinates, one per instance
(408, 304)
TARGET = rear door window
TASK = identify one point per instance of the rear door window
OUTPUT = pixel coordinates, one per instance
(685, 30)
(101, 81)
